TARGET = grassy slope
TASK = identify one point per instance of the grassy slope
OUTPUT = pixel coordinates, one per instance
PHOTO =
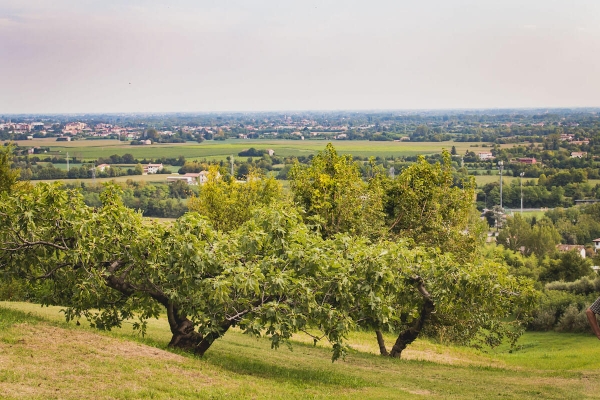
(41, 357)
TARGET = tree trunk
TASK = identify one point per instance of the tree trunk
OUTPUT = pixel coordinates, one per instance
(381, 343)
(409, 335)
(185, 337)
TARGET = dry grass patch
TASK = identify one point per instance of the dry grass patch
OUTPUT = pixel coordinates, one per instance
(41, 361)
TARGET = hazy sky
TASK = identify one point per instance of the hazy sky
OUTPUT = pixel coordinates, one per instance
(250, 55)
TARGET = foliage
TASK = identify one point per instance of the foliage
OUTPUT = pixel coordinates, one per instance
(472, 301)
(227, 203)
(271, 275)
(519, 235)
(252, 152)
(8, 176)
(584, 286)
(565, 266)
(107, 265)
(334, 196)
(561, 310)
(423, 204)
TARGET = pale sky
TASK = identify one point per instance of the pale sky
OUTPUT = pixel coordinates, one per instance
(71, 56)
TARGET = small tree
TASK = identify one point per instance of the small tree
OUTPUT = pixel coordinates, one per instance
(424, 205)
(271, 276)
(228, 203)
(8, 176)
(335, 197)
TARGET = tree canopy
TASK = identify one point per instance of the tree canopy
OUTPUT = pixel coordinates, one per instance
(250, 260)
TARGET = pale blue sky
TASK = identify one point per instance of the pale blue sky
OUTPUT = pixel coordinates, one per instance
(121, 56)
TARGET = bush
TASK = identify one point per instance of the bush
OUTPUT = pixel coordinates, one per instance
(543, 320)
(13, 290)
(573, 320)
(582, 286)
(562, 311)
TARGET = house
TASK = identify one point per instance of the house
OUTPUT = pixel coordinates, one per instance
(485, 156)
(203, 176)
(63, 139)
(578, 154)
(192, 178)
(103, 167)
(569, 247)
(147, 141)
(187, 179)
(271, 152)
(152, 168)
(596, 244)
(526, 160)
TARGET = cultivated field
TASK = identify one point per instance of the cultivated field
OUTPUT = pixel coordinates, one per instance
(92, 149)
(43, 358)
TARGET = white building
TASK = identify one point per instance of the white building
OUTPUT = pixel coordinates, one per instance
(187, 179)
(152, 168)
(485, 156)
(596, 244)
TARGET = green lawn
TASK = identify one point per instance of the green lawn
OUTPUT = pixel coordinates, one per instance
(43, 358)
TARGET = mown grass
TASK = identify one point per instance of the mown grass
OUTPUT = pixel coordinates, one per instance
(43, 357)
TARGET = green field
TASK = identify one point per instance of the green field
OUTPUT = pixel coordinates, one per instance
(43, 358)
(92, 149)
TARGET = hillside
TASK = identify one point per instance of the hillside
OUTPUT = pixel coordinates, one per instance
(42, 357)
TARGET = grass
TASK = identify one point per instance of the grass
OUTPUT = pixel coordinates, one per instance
(483, 179)
(42, 357)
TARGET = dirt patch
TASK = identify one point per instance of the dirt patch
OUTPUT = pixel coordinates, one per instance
(46, 338)
(49, 362)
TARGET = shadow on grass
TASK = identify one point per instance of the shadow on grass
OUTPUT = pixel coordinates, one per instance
(10, 317)
(298, 376)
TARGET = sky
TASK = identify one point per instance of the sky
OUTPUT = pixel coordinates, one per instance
(98, 56)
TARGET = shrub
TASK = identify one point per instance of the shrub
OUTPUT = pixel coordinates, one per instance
(13, 290)
(543, 320)
(573, 320)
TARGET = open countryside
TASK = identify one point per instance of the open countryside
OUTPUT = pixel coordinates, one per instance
(519, 283)
(89, 150)
(299, 200)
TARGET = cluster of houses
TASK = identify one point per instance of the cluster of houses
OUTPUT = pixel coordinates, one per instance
(191, 178)
(565, 137)
(579, 248)
(486, 155)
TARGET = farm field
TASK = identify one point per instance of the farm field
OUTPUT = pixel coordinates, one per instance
(483, 179)
(92, 149)
(150, 178)
(44, 358)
